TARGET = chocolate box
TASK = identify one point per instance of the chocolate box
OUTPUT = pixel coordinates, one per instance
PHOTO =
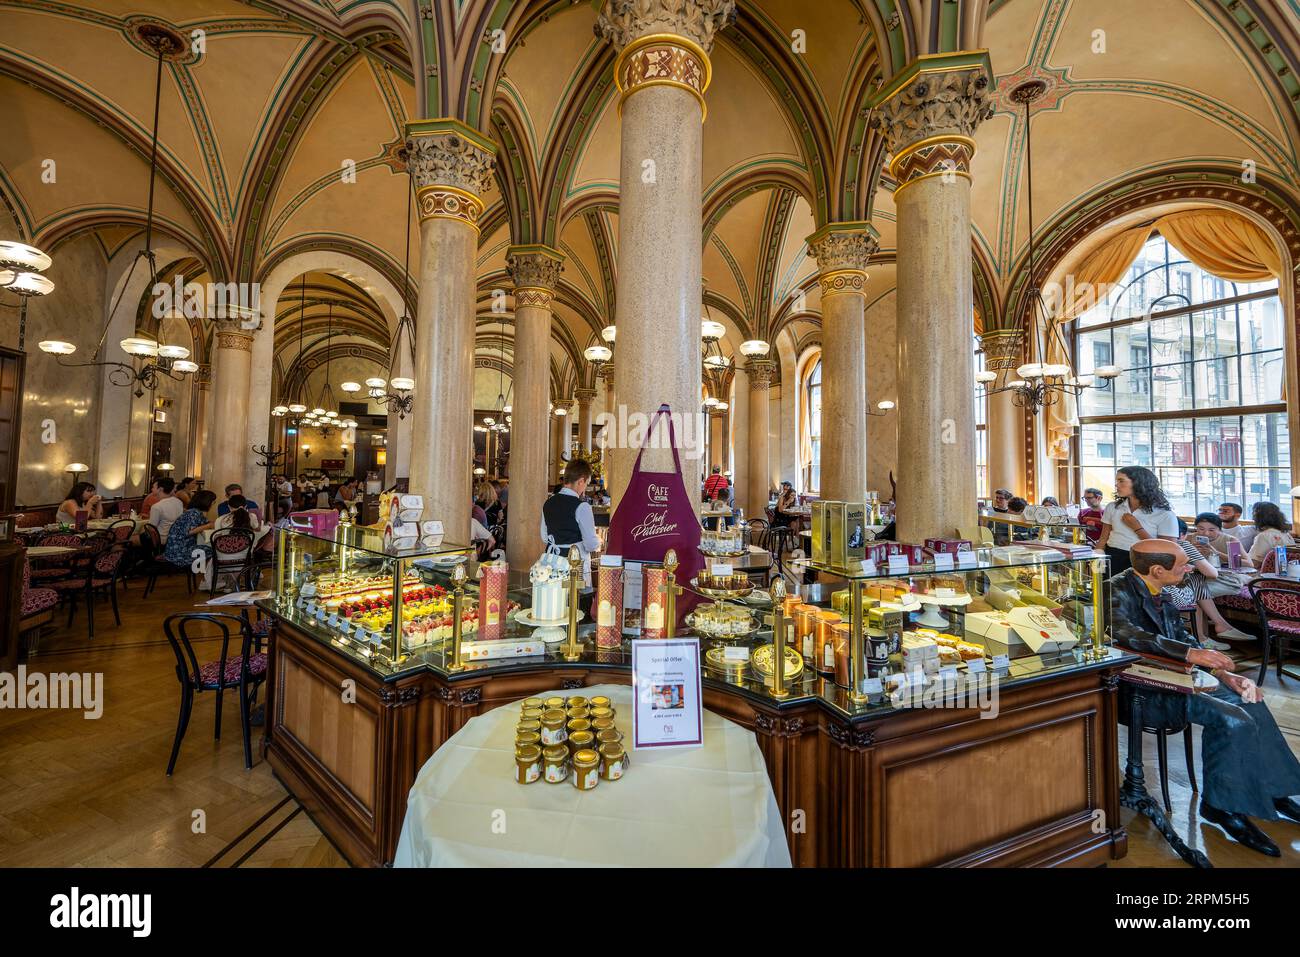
(947, 546)
(915, 553)
(848, 524)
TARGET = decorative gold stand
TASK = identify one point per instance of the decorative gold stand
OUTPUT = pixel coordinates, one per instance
(572, 650)
(457, 605)
(777, 592)
(671, 591)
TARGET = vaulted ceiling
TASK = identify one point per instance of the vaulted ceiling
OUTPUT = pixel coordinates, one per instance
(279, 135)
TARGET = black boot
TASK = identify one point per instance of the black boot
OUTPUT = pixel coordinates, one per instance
(1288, 808)
(1241, 829)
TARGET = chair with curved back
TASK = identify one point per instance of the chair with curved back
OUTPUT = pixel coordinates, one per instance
(99, 577)
(62, 567)
(758, 530)
(1277, 603)
(245, 672)
(232, 555)
(156, 565)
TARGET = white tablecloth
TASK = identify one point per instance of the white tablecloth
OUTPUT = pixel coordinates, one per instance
(693, 807)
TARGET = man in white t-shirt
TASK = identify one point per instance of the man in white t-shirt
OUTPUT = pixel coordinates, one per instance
(1230, 516)
(166, 510)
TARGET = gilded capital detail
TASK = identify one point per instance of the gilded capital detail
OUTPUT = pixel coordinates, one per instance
(842, 251)
(1002, 348)
(761, 372)
(623, 21)
(451, 168)
(929, 116)
(234, 339)
(536, 274)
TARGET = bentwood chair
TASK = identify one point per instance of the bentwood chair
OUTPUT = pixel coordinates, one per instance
(244, 672)
(100, 577)
(232, 555)
(1277, 603)
(156, 565)
(52, 570)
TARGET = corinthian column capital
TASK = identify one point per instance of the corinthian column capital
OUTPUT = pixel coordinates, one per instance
(842, 251)
(929, 113)
(451, 167)
(536, 273)
(761, 372)
(623, 21)
(1002, 348)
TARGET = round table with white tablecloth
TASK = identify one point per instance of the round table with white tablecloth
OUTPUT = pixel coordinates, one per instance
(710, 806)
(205, 538)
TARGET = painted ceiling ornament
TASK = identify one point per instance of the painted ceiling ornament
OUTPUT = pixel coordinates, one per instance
(622, 21)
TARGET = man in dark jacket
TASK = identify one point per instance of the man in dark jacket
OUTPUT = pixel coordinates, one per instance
(1247, 766)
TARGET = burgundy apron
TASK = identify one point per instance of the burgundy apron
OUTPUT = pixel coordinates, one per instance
(655, 514)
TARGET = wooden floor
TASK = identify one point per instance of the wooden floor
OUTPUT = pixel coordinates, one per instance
(78, 792)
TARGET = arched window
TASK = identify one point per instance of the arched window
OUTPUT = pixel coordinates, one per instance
(1200, 400)
(981, 430)
(811, 429)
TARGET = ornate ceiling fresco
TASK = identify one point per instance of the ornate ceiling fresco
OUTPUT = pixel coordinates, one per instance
(280, 138)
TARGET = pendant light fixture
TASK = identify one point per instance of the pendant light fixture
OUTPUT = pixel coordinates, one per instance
(150, 359)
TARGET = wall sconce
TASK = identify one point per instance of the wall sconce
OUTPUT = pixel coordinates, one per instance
(306, 452)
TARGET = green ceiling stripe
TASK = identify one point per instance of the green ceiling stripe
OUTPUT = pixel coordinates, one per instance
(306, 193)
(264, 124)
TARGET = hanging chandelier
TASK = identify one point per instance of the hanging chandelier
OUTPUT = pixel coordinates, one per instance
(21, 267)
(1037, 383)
(323, 416)
(150, 359)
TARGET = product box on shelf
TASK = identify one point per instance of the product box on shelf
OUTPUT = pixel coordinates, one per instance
(947, 546)
(915, 553)
(820, 548)
(848, 533)
(320, 522)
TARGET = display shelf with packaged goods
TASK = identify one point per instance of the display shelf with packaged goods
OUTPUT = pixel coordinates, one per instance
(915, 669)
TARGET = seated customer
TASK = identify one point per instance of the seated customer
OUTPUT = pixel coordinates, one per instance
(181, 540)
(1205, 582)
(231, 491)
(238, 515)
(1271, 530)
(1247, 766)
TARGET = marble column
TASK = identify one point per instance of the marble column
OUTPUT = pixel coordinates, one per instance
(761, 373)
(1005, 423)
(662, 72)
(232, 371)
(842, 251)
(558, 422)
(451, 168)
(611, 428)
(199, 417)
(928, 115)
(536, 272)
(584, 397)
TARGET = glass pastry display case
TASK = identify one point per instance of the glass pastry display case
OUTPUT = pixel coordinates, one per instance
(356, 589)
(859, 640)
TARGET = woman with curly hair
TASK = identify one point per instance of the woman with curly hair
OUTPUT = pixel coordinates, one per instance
(1140, 511)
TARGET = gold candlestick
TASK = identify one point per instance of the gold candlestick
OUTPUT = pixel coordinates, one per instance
(777, 592)
(457, 605)
(572, 652)
(671, 591)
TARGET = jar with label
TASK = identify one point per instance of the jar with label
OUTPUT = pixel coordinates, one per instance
(824, 647)
(877, 641)
(584, 770)
(609, 736)
(602, 712)
(600, 724)
(842, 644)
(528, 763)
(555, 764)
(528, 737)
(554, 702)
(611, 761)
(552, 729)
(523, 727)
(805, 629)
(531, 714)
(581, 740)
(578, 724)
(578, 712)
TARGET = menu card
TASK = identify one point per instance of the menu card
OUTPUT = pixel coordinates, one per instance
(669, 708)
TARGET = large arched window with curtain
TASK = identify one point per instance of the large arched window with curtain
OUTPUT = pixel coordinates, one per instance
(811, 430)
(1201, 397)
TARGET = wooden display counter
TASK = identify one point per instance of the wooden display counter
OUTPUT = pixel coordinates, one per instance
(1037, 785)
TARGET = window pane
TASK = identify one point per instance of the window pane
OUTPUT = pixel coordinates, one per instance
(1261, 377)
(1216, 382)
(1215, 332)
(1133, 391)
(1097, 445)
(1171, 388)
(1179, 486)
(1218, 441)
(1266, 440)
(1171, 341)
(1268, 485)
(1133, 443)
(1175, 442)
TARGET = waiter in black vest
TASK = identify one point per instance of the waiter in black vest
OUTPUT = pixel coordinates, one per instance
(567, 519)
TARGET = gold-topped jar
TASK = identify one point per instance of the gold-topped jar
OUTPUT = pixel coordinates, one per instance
(581, 740)
(528, 737)
(555, 764)
(578, 724)
(609, 736)
(612, 763)
(528, 763)
(531, 714)
(577, 701)
(582, 712)
(600, 701)
(523, 727)
(584, 770)
(602, 712)
(532, 703)
(554, 702)
(552, 727)
(601, 724)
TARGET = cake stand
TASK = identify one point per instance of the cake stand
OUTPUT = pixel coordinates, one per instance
(551, 630)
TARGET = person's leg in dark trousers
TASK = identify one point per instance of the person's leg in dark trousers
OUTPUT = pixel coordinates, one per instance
(1119, 560)
(1246, 763)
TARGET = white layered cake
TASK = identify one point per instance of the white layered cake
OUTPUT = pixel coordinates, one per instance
(550, 592)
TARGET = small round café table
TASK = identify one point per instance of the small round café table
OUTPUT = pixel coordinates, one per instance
(710, 806)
